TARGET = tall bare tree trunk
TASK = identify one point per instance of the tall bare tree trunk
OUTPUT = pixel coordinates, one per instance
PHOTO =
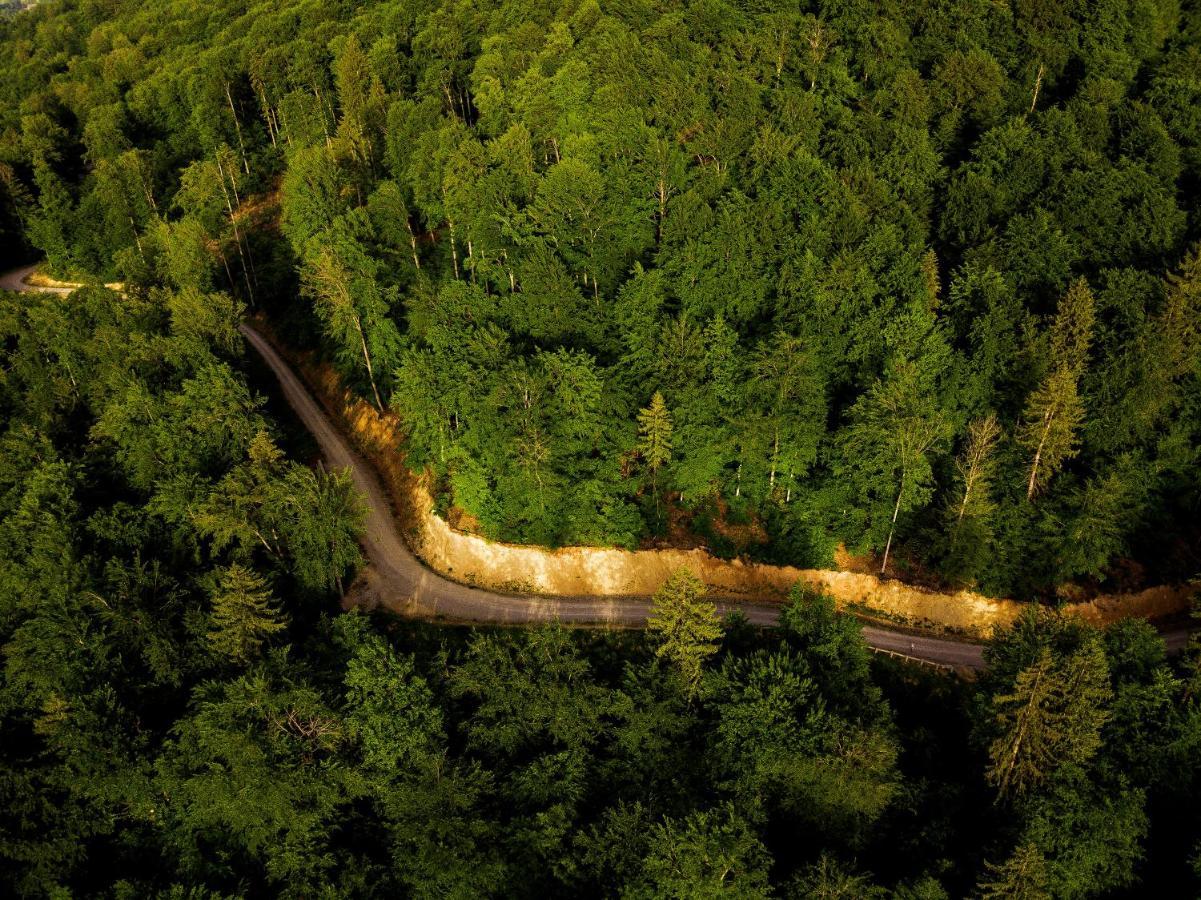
(321, 109)
(775, 455)
(267, 115)
(662, 192)
(137, 238)
(225, 262)
(237, 234)
(287, 132)
(1032, 485)
(896, 511)
(358, 324)
(238, 128)
(412, 243)
(454, 252)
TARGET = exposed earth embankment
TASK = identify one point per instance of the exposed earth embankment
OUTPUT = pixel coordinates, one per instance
(602, 571)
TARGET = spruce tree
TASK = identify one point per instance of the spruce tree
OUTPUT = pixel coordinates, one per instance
(1051, 428)
(1072, 332)
(244, 616)
(894, 428)
(1054, 412)
(654, 443)
(1053, 717)
(1021, 877)
(686, 625)
(974, 467)
(1024, 752)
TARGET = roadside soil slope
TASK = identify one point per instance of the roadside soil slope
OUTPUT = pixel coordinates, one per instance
(596, 572)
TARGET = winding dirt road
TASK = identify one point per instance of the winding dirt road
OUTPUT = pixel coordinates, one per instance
(402, 583)
(15, 281)
(399, 581)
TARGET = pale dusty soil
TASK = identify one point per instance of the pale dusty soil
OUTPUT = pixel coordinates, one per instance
(38, 279)
(577, 571)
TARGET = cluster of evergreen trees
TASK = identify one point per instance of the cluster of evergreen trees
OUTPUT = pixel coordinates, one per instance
(911, 276)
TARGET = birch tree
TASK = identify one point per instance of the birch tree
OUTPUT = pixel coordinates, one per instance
(894, 427)
(351, 304)
(785, 385)
(1054, 412)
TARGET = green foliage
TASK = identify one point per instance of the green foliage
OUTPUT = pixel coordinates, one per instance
(885, 274)
(392, 712)
(686, 625)
(243, 615)
(708, 854)
(894, 429)
(1052, 719)
(778, 743)
(784, 224)
(654, 430)
(1023, 875)
(828, 880)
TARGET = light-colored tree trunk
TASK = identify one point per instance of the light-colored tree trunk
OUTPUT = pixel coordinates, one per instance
(284, 130)
(1038, 83)
(238, 128)
(358, 324)
(662, 192)
(137, 238)
(321, 111)
(775, 455)
(1032, 485)
(454, 253)
(896, 511)
(237, 234)
(267, 115)
(225, 262)
(412, 243)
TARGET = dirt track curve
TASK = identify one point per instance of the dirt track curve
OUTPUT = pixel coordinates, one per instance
(403, 583)
(15, 281)
(399, 581)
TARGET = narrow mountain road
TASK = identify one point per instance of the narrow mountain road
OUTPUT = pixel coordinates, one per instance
(402, 583)
(15, 281)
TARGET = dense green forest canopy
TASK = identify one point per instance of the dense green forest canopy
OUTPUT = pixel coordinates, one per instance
(183, 712)
(916, 277)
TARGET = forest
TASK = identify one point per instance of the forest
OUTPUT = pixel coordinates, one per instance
(920, 279)
(185, 712)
